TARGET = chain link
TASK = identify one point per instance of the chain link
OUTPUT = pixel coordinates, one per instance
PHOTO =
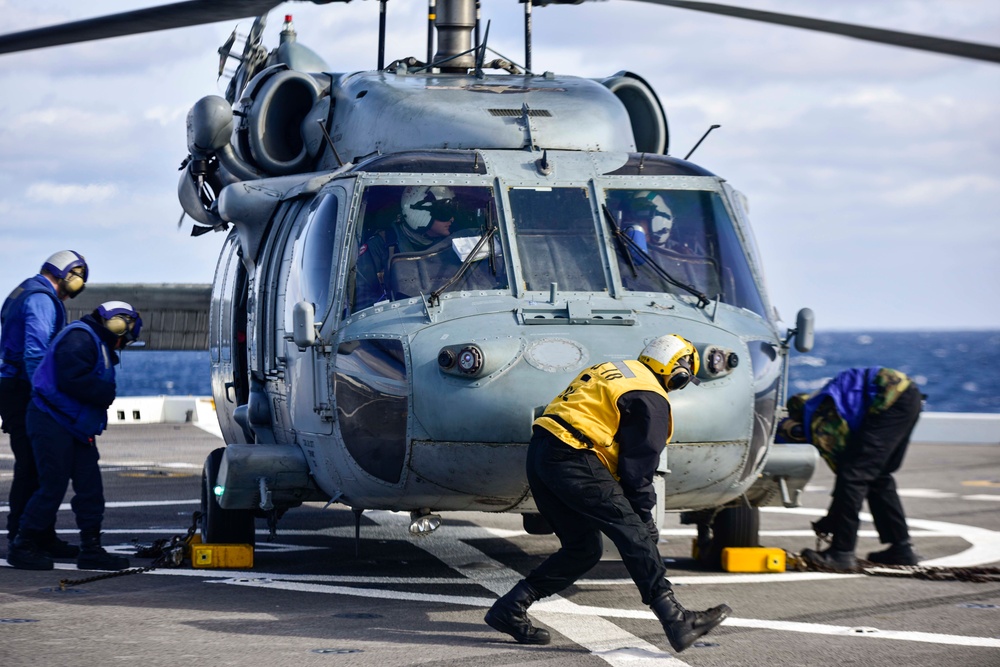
(167, 552)
(977, 575)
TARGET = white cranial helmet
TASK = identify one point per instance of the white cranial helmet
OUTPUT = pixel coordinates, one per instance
(652, 207)
(674, 359)
(423, 204)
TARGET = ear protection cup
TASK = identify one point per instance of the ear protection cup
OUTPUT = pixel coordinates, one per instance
(678, 379)
(118, 325)
(73, 283)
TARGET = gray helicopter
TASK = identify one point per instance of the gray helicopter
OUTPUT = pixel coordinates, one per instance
(419, 257)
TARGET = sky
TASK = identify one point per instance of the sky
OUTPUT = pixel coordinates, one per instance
(872, 172)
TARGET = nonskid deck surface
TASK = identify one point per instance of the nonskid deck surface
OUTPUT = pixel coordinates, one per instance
(407, 601)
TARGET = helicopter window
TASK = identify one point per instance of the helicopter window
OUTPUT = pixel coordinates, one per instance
(689, 235)
(426, 162)
(556, 239)
(315, 253)
(413, 240)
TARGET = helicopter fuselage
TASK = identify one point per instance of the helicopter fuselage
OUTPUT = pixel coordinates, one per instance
(375, 408)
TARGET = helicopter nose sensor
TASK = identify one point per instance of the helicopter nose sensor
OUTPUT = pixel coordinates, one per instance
(470, 360)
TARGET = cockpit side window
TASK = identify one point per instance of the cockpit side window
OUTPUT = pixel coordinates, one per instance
(689, 236)
(315, 254)
(414, 240)
(557, 239)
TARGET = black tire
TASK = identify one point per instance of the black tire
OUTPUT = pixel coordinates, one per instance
(535, 524)
(737, 527)
(218, 525)
(732, 527)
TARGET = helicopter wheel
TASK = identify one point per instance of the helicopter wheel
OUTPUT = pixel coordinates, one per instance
(218, 525)
(733, 527)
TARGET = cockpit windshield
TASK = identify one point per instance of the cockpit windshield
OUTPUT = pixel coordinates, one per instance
(557, 239)
(413, 240)
(689, 235)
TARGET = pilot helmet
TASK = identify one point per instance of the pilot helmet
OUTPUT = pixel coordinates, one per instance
(674, 359)
(70, 269)
(651, 207)
(121, 319)
(424, 204)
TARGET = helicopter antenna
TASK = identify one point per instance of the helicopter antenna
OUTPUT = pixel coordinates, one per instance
(527, 35)
(481, 52)
(700, 140)
(329, 141)
(381, 34)
(479, 12)
(431, 16)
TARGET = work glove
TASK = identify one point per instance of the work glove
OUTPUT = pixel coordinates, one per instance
(823, 526)
(654, 532)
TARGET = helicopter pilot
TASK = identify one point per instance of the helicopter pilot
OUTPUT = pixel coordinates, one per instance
(428, 213)
(646, 219)
(590, 465)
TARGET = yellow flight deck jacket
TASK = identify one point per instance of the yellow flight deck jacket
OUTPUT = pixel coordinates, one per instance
(586, 416)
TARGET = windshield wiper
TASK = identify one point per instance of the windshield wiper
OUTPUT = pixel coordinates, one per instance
(627, 245)
(491, 230)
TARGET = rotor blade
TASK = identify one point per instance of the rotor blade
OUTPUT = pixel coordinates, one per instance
(895, 38)
(164, 17)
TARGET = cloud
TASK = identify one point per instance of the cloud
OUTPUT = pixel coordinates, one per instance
(62, 194)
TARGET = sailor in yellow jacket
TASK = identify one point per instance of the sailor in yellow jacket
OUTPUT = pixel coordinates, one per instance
(591, 461)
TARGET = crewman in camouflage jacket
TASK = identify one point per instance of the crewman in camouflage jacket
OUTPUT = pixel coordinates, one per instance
(860, 421)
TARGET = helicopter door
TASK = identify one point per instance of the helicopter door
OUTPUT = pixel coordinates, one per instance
(227, 331)
(307, 276)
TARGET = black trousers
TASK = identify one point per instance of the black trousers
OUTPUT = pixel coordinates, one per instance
(865, 471)
(15, 395)
(62, 457)
(580, 499)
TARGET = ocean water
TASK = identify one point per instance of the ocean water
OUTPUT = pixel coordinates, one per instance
(958, 371)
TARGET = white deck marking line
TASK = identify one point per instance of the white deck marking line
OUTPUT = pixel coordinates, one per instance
(567, 613)
(602, 638)
(864, 632)
(560, 608)
(932, 494)
(985, 543)
(983, 496)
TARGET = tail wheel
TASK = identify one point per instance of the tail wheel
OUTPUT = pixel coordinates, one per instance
(218, 525)
(733, 527)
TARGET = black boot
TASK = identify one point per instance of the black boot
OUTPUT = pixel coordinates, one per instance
(56, 548)
(510, 614)
(831, 559)
(899, 553)
(683, 627)
(26, 553)
(94, 557)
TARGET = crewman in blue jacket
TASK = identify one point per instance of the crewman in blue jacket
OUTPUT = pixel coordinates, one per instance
(73, 387)
(860, 421)
(30, 318)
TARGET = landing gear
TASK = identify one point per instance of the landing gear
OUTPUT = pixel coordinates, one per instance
(730, 527)
(218, 525)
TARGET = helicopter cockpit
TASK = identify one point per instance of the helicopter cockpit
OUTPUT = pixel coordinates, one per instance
(672, 235)
(687, 235)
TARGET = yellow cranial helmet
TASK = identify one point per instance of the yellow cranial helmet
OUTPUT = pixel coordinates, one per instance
(674, 359)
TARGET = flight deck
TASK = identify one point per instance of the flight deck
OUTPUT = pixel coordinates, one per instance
(316, 596)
